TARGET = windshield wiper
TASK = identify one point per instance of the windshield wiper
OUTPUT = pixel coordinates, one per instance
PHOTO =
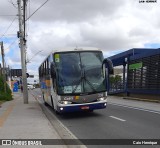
(89, 83)
(80, 80)
(84, 78)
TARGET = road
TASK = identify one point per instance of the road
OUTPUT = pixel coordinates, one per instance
(114, 122)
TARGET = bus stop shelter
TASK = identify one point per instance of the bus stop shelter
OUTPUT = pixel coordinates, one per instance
(141, 71)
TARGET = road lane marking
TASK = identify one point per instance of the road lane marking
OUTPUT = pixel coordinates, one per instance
(136, 108)
(117, 118)
(5, 115)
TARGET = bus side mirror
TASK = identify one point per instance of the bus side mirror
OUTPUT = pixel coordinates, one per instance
(53, 72)
(108, 63)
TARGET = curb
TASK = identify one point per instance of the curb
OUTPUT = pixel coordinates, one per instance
(64, 133)
(140, 99)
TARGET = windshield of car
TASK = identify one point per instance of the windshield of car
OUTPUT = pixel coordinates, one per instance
(80, 72)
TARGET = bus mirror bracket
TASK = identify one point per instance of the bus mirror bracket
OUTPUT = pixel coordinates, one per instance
(108, 63)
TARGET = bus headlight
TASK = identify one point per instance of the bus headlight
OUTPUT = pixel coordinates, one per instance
(61, 108)
(64, 102)
(101, 99)
(106, 94)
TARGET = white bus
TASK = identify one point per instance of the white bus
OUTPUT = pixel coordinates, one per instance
(75, 79)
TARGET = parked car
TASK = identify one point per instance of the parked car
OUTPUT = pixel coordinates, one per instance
(30, 86)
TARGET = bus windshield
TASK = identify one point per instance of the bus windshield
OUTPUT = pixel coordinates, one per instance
(80, 72)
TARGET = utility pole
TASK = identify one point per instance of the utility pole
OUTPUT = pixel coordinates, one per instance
(0, 70)
(3, 70)
(23, 50)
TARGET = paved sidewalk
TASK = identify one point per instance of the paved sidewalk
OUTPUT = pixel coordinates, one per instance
(134, 103)
(25, 121)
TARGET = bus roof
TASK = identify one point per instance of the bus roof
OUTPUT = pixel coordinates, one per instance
(68, 49)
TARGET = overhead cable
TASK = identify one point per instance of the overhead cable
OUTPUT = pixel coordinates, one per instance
(8, 28)
(37, 10)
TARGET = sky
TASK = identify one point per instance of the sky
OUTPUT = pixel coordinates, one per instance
(113, 26)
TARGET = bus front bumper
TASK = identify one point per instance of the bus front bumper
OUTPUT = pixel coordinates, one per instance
(81, 107)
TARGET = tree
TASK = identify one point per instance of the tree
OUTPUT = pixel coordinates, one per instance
(118, 78)
(115, 80)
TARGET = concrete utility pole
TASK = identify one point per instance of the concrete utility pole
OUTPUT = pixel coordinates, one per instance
(0, 70)
(3, 70)
(23, 50)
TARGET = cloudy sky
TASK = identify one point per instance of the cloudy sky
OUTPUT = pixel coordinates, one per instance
(113, 26)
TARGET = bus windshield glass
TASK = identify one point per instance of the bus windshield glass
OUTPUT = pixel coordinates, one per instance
(80, 72)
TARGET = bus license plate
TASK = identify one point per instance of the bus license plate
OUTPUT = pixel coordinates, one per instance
(85, 107)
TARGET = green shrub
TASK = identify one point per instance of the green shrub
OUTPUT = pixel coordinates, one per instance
(5, 96)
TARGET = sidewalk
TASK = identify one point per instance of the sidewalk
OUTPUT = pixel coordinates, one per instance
(25, 121)
(152, 106)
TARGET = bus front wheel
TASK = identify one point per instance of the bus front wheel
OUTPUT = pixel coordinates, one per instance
(44, 101)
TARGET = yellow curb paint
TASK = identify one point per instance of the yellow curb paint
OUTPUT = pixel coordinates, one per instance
(5, 115)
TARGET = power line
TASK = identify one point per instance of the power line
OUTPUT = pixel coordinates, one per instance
(12, 43)
(28, 61)
(28, 10)
(10, 34)
(14, 5)
(8, 28)
(8, 15)
(37, 10)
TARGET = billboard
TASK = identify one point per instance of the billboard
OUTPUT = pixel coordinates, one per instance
(16, 72)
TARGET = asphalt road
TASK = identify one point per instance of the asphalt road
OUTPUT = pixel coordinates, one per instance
(114, 122)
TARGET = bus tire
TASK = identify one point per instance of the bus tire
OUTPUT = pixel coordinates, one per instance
(52, 102)
(43, 97)
(91, 111)
(45, 103)
(57, 113)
